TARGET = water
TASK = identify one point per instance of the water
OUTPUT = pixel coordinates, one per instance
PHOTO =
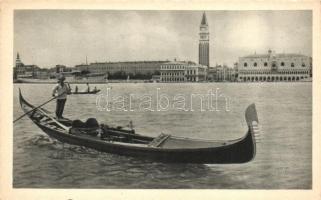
(283, 160)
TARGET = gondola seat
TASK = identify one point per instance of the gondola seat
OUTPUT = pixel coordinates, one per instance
(90, 127)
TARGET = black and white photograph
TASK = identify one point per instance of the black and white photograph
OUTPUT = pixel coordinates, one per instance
(162, 99)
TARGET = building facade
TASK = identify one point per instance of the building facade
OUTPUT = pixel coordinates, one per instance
(25, 71)
(196, 73)
(204, 47)
(62, 68)
(274, 67)
(41, 74)
(221, 73)
(123, 68)
(181, 71)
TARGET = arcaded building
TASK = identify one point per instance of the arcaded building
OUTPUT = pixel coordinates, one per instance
(181, 71)
(132, 67)
(274, 67)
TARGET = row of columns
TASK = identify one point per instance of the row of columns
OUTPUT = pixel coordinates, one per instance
(271, 78)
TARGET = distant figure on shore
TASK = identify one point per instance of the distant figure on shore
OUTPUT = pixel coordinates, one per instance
(95, 89)
(88, 88)
(60, 91)
(76, 89)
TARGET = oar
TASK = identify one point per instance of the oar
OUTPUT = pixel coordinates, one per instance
(37, 107)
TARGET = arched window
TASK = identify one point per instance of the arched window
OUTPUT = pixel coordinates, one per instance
(303, 64)
(292, 64)
(265, 64)
(245, 64)
(282, 63)
(255, 64)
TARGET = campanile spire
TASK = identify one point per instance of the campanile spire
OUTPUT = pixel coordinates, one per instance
(203, 51)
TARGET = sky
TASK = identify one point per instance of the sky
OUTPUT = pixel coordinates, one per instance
(50, 37)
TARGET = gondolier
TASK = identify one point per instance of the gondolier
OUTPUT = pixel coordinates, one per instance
(60, 91)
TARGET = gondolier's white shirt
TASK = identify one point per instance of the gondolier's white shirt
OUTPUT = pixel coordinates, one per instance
(61, 91)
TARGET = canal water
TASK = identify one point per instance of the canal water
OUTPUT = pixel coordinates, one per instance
(284, 153)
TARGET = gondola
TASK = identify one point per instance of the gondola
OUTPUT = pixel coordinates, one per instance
(163, 148)
(90, 92)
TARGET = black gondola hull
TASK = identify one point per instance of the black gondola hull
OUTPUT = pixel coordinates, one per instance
(240, 152)
(230, 152)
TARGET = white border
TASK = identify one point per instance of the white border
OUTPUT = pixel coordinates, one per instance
(6, 92)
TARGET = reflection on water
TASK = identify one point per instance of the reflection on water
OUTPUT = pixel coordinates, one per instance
(283, 156)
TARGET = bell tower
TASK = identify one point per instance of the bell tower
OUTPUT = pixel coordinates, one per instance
(203, 50)
(18, 61)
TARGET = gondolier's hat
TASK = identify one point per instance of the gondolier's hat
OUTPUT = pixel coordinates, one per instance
(61, 78)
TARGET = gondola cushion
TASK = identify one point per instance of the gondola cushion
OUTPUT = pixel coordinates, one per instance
(92, 123)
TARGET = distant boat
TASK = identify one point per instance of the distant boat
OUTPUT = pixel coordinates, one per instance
(91, 92)
(163, 148)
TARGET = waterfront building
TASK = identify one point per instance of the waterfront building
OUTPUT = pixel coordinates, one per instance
(274, 67)
(84, 67)
(156, 78)
(24, 71)
(221, 73)
(182, 71)
(203, 50)
(63, 68)
(139, 69)
(41, 74)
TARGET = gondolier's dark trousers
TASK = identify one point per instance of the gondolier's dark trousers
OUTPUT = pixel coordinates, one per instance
(60, 107)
